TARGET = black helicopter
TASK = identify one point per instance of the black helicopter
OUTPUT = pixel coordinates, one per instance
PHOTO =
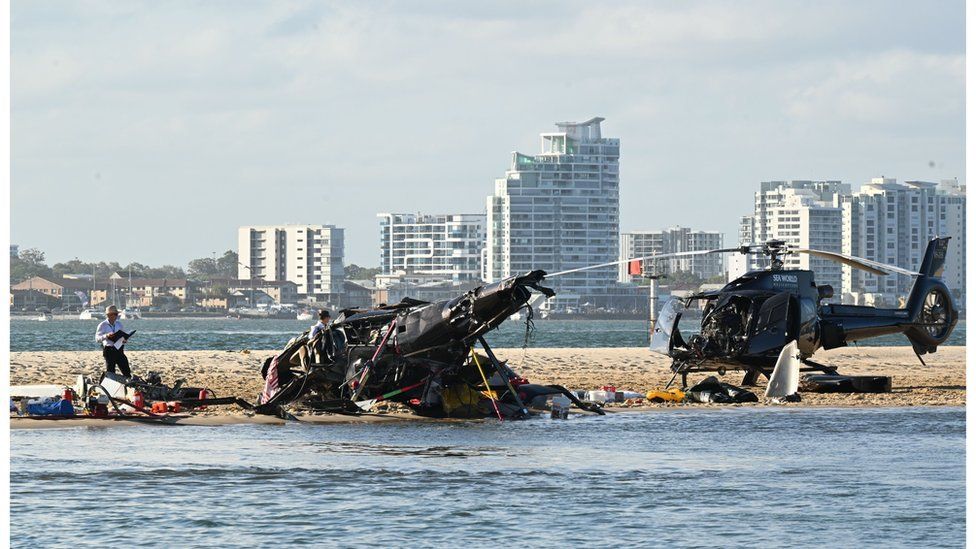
(416, 353)
(746, 324)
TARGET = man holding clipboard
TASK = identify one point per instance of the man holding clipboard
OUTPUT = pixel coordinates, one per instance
(110, 335)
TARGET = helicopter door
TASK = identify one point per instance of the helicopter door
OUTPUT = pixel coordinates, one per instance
(666, 335)
(774, 327)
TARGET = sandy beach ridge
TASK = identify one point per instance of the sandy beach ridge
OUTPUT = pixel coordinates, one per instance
(941, 382)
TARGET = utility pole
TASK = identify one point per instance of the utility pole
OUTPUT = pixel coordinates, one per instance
(214, 275)
(652, 275)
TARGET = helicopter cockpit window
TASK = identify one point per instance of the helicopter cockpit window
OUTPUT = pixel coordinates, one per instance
(666, 323)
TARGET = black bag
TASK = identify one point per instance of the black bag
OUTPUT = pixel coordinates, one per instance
(713, 391)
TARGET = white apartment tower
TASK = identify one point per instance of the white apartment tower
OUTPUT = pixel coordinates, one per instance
(308, 255)
(772, 194)
(892, 223)
(674, 239)
(559, 210)
(447, 246)
(802, 213)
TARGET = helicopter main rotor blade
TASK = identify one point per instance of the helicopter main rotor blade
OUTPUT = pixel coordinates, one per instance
(873, 267)
(644, 258)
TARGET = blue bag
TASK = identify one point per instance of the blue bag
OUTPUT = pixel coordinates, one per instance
(58, 408)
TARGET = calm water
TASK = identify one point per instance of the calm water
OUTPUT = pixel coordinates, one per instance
(229, 334)
(714, 478)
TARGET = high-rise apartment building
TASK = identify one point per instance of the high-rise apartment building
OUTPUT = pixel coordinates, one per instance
(559, 210)
(446, 247)
(802, 213)
(308, 255)
(884, 221)
(772, 194)
(892, 223)
(674, 239)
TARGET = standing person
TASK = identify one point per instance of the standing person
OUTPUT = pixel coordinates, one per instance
(106, 334)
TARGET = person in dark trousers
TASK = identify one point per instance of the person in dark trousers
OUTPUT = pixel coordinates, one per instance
(107, 333)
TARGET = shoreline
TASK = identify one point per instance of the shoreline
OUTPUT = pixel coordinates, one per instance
(941, 382)
(219, 420)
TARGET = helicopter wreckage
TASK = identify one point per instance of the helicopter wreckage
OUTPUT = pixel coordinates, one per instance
(422, 355)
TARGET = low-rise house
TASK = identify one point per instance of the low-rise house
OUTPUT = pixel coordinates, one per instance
(249, 298)
(357, 293)
(65, 292)
(281, 291)
(143, 292)
(31, 299)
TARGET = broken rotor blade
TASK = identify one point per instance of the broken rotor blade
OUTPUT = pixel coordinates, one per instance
(873, 267)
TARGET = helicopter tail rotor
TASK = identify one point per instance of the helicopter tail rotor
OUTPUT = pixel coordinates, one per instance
(930, 304)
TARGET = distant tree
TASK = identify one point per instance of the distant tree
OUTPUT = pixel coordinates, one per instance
(227, 264)
(355, 272)
(202, 269)
(138, 270)
(205, 269)
(166, 271)
(717, 279)
(27, 264)
(683, 280)
(74, 266)
(32, 256)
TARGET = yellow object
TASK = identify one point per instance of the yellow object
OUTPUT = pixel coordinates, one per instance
(460, 400)
(491, 394)
(671, 395)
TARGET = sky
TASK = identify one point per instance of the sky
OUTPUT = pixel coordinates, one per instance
(149, 131)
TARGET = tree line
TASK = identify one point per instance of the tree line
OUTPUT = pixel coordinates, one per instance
(31, 262)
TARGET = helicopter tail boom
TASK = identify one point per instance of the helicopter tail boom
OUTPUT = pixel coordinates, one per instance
(927, 319)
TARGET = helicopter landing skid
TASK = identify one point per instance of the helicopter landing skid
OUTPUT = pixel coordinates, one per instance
(752, 373)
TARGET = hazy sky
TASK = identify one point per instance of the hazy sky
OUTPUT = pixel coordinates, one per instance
(150, 131)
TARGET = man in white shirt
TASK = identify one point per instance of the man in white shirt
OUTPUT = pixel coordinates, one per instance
(107, 334)
(324, 318)
(330, 341)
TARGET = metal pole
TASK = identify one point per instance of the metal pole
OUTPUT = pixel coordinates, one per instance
(652, 276)
(653, 300)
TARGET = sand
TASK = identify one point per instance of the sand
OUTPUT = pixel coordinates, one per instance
(941, 383)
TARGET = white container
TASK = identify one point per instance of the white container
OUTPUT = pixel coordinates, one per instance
(560, 407)
(601, 396)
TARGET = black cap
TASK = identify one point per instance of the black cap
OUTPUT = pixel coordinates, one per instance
(324, 314)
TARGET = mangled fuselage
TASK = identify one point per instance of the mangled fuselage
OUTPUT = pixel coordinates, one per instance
(416, 353)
